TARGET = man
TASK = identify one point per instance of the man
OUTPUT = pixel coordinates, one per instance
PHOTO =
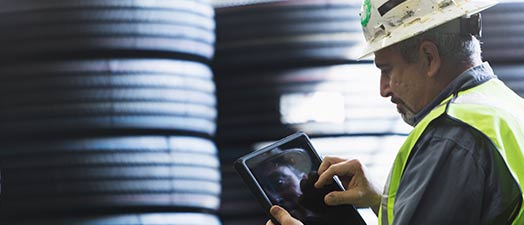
(464, 161)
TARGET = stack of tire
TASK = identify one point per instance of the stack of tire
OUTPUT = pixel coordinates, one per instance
(107, 112)
(503, 45)
(286, 66)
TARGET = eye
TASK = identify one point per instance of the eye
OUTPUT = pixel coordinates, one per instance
(281, 182)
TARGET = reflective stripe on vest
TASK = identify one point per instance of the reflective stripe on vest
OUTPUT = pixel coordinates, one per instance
(491, 108)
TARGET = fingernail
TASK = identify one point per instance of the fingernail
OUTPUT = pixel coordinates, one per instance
(274, 210)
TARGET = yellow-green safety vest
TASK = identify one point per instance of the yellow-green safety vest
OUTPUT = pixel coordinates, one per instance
(494, 110)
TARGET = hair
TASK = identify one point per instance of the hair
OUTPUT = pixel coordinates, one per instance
(454, 48)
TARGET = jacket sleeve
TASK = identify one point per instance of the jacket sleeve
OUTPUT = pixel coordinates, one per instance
(452, 179)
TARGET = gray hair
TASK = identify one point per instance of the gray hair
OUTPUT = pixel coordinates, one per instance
(454, 48)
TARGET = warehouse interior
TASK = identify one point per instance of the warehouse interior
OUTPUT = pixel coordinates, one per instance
(132, 112)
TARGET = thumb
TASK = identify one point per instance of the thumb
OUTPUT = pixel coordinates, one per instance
(350, 197)
(278, 212)
(282, 216)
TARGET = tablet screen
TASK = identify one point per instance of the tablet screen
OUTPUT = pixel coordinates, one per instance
(286, 175)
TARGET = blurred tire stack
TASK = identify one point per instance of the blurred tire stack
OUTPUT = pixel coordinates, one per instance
(503, 45)
(286, 66)
(107, 112)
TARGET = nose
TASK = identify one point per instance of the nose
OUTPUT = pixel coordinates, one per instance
(385, 89)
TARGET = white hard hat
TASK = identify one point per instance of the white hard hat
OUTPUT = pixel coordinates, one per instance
(386, 22)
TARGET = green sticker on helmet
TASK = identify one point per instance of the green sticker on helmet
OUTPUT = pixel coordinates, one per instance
(365, 13)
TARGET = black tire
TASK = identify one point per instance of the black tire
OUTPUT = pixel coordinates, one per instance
(333, 49)
(100, 15)
(47, 82)
(93, 124)
(108, 29)
(287, 34)
(108, 95)
(109, 174)
(267, 132)
(288, 8)
(502, 33)
(82, 188)
(268, 99)
(234, 34)
(193, 6)
(110, 203)
(134, 172)
(112, 159)
(237, 201)
(110, 144)
(286, 21)
(169, 218)
(80, 47)
(175, 110)
(27, 70)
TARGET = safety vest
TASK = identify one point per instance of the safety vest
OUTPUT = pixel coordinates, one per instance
(491, 108)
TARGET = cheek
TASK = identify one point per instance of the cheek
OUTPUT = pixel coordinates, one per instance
(399, 85)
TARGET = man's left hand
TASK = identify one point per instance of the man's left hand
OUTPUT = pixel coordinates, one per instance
(282, 216)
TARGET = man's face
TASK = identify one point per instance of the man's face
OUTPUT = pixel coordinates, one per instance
(402, 81)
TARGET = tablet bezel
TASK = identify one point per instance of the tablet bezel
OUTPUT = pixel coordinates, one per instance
(250, 180)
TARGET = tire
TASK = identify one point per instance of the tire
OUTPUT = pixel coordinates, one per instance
(269, 98)
(108, 29)
(237, 201)
(100, 46)
(112, 159)
(109, 109)
(104, 15)
(69, 39)
(68, 205)
(502, 32)
(83, 188)
(233, 35)
(287, 34)
(108, 95)
(333, 50)
(110, 144)
(109, 174)
(100, 173)
(198, 7)
(27, 70)
(127, 219)
(79, 81)
(237, 25)
(93, 124)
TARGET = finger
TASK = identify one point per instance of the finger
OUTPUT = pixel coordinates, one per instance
(279, 213)
(282, 216)
(269, 222)
(343, 197)
(346, 168)
(327, 162)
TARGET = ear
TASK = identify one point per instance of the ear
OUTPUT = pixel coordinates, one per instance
(430, 58)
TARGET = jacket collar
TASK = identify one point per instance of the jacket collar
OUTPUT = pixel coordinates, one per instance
(470, 78)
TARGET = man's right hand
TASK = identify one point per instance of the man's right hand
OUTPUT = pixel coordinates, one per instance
(360, 190)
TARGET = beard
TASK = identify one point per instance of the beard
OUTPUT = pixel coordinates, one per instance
(407, 115)
(409, 118)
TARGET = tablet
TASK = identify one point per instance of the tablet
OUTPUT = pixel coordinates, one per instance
(284, 173)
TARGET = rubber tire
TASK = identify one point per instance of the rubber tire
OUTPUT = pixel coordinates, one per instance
(178, 218)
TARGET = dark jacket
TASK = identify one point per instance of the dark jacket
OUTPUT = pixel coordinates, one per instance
(455, 175)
